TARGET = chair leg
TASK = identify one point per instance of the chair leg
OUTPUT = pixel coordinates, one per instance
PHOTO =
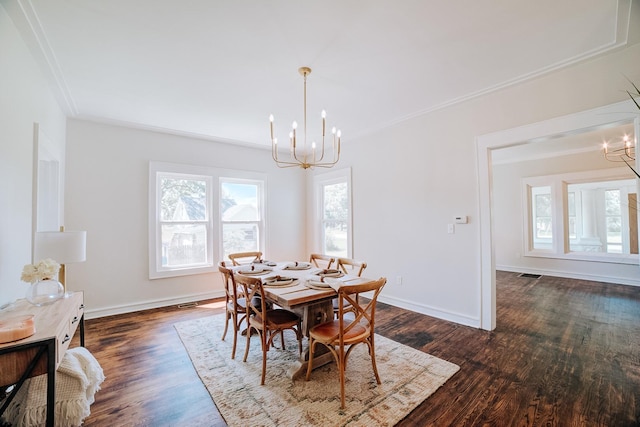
(226, 325)
(341, 369)
(246, 350)
(372, 351)
(235, 335)
(312, 349)
(263, 338)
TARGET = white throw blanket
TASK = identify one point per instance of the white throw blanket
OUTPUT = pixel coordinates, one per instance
(78, 378)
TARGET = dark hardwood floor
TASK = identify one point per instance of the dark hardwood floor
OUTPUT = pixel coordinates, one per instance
(564, 353)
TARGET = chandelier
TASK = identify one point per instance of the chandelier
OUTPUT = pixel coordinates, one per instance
(301, 155)
(624, 151)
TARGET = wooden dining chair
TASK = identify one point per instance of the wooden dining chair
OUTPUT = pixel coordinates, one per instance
(348, 266)
(341, 335)
(351, 266)
(267, 322)
(322, 260)
(240, 258)
(235, 305)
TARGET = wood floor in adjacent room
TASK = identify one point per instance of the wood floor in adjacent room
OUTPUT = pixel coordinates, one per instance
(564, 353)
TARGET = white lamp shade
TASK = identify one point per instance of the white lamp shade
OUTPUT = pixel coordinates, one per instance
(61, 246)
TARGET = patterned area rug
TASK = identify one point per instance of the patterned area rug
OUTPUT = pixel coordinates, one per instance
(408, 377)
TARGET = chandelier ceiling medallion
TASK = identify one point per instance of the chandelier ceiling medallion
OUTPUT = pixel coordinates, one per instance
(301, 155)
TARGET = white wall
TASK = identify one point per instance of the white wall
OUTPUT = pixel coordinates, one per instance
(509, 212)
(411, 180)
(25, 99)
(107, 195)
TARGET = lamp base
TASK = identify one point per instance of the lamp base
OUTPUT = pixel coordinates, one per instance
(44, 292)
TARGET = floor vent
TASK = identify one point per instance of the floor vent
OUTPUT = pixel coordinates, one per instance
(188, 305)
(530, 276)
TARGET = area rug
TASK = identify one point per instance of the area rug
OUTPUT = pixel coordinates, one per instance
(408, 378)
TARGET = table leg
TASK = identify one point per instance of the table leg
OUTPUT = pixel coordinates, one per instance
(51, 382)
(312, 315)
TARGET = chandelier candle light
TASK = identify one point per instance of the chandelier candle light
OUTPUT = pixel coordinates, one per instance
(301, 156)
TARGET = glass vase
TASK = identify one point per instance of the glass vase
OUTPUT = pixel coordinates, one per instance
(43, 292)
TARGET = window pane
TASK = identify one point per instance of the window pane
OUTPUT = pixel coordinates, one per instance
(603, 221)
(543, 228)
(239, 238)
(541, 218)
(239, 202)
(182, 199)
(335, 212)
(335, 238)
(336, 202)
(571, 210)
(183, 245)
(612, 202)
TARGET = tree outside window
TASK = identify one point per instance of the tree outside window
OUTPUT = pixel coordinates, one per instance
(241, 213)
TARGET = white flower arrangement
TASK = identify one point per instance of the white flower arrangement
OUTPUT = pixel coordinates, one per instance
(44, 269)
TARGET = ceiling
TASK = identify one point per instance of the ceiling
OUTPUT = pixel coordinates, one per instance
(217, 69)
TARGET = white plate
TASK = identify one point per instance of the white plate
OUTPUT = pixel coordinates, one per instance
(318, 284)
(331, 273)
(298, 266)
(319, 287)
(283, 281)
(253, 270)
(267, 263)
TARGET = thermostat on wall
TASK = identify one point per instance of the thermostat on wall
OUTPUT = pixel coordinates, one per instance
(461, 219)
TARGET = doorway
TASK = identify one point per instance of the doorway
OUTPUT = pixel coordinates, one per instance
(611, 115)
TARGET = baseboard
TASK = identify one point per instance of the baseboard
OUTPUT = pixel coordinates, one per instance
(122, 309)
(430, 311)
(571, 275)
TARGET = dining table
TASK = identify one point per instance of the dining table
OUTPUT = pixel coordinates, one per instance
(306, 290)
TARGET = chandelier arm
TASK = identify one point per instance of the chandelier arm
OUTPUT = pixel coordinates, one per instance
(630, 167)
(322, 152)
(295, 156)
(283, 164)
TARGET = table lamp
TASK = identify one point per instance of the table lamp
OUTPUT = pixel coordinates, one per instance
(63, 247)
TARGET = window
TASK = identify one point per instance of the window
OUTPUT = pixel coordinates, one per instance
(333, 218)
(542, 217)
(603, 224)
(587, 215)
(193, 223)
(613, 221)
(241, 215)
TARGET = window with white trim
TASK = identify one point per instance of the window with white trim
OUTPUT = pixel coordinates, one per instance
(333, 213)
(241, 213)
(194, 223)
(542, 217)
(586, 215)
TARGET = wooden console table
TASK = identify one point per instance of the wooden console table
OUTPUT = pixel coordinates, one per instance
(42, 352)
